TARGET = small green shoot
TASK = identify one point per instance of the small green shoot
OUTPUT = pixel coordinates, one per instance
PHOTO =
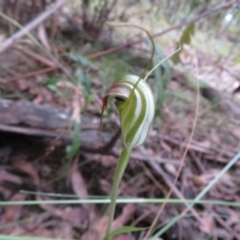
(71, 150)
(185, 39)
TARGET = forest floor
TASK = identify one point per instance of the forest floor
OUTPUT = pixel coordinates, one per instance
(46, 157)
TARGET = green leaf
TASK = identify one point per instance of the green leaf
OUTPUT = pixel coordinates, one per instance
(6, 237)
(193, 4)
(238, 60)
(162, 75)
(85, 80)
(51, 83)
(186, 36)
(166, 70)
(71, 150)
(185, 39)
(83, 61)
(126, 230)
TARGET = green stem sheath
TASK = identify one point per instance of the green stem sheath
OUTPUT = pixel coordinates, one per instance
(120, 169)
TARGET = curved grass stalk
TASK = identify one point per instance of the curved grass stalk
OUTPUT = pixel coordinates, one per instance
(115, 24)
(199, 196)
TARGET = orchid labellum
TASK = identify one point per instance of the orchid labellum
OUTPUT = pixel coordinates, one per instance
(135, 104)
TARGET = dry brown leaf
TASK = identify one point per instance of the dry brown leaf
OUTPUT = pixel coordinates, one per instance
(99, 227)
(108, 160)
(22, 85)
(126, 215)
(77, 180)
(233, 218)
(104, 185)
(77, 101)
(105, 160)
(204, 178)
(236, 132)
(38, 99)
(237, 229)
(215, 137)
(63, 231)
(206, 224)
(76, 216)
(165, 146)
(6, 176)
(205, 144)
(13, 213)
(228, 181)
(223, 234)
(197, 180)
(20, 231)
(76, 106)
(80, 189)
(170, 168)
(43, 37)
(45, 229)
(2, 37)
(29, 169)
(123, 237)
(97, 230)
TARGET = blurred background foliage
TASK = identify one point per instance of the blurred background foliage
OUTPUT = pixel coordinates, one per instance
(80, 38)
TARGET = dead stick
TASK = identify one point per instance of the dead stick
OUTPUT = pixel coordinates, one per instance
(105, 149)
(200, 16)
(120, 47)
(31, 25)
(34, 73)
(155, 166)
(36, 56)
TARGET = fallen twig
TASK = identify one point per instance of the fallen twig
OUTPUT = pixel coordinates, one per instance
(200, 16)
(155, 166)
(36, 56)
(31, 25)
(34, 73)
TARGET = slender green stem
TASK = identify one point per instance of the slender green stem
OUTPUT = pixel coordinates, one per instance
(116, 24)
(120, 168)
(163, 60)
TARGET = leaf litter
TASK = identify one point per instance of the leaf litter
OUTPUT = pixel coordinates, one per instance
(38, 163)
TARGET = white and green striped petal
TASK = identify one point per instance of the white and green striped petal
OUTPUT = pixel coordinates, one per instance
(136, 108)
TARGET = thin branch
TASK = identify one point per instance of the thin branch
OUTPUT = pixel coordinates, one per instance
(155, 166)
(34, 73)
(35, 56)
(106, 148)
(182, 159)
(31, 25)
(65, 135)
(127, 44)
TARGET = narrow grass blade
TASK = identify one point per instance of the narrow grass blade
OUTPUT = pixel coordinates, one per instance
(5, 237)
(199, 196)
(122, 201)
